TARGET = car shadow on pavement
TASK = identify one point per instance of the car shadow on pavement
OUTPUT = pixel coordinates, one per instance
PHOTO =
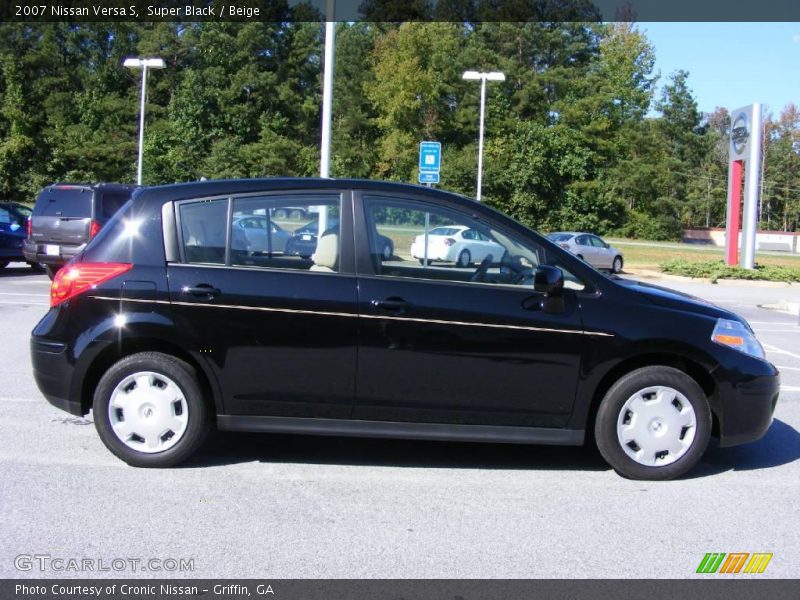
(231, 448)
(17, 269)
(779, 446)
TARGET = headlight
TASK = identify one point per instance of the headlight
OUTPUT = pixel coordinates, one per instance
(736, 335)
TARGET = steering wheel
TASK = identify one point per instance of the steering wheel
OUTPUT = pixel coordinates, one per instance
(483, 268)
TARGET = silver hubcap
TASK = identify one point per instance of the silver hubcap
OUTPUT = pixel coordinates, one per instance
(148, 412)
(656, 426)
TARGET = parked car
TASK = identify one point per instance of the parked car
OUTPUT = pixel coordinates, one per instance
(161, 332)
(14, 218)
(66, 216)
(254, 228)
(459, 244)
(304, 241)
(590, 248)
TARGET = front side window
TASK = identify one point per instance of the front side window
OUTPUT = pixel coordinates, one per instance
(436, 243)
(258, 231)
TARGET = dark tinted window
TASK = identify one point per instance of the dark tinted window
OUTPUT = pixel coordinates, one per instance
(64, 202)
(110, 202)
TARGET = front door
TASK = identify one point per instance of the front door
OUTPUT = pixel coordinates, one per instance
(278, 331)
(445, 344)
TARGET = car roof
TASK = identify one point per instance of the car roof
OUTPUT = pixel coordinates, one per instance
(213, 187)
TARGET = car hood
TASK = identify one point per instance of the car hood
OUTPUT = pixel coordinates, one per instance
(674, 299)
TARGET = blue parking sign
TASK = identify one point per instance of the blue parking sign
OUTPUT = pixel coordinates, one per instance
(430, 157)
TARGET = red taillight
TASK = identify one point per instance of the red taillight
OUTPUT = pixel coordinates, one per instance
(28, 226)
(94, 229)
(73, 280)
(449, 242)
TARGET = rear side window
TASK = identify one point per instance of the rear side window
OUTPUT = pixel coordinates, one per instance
(203, 233)
(110, 203)
(64, 202)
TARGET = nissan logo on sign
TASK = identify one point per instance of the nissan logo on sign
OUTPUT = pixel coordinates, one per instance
(740, 134)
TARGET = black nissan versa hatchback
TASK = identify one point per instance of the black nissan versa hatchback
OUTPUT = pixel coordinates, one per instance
(166, 325)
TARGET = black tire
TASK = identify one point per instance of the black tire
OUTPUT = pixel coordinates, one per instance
(197, 408)
(580, 256)
(51, 271)
(36, 267)
(464, 259)
(3, 264)
(610, 413)
(616, 265)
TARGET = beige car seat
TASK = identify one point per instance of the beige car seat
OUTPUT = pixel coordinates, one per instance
(327, 255)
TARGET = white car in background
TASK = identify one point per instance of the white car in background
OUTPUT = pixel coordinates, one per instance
(456, 243)
(590, 248)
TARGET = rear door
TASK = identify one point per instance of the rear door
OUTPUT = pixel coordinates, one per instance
(62, 217)
(279, 331)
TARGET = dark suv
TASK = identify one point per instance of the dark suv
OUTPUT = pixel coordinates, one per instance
(165, 326)
(66, 216)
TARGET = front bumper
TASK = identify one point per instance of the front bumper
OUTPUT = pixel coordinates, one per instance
(746, 409)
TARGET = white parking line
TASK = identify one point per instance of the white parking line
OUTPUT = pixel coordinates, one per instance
(19, 294)
(772, 323)
(790, 388)
(779, 351)
(782, 368)
(24, 303)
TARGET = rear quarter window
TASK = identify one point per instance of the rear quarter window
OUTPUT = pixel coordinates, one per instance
(62, 202)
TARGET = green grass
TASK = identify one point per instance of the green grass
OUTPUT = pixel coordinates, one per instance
(717, 269)
(655, 255)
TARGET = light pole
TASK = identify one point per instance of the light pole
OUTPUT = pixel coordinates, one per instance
(484, 77)
(143, 64)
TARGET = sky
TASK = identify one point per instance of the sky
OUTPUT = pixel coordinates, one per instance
(731, 64)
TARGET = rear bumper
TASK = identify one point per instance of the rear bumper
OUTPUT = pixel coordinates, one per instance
(52, 372)
(747, 409)
(37, 253)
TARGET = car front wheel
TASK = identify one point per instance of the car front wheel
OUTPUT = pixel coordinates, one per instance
(653, 424)
(150, 411)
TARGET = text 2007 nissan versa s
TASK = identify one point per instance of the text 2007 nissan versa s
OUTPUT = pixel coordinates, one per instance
(172, 321)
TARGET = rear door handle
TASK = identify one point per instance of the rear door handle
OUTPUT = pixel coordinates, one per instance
(201, 290)
(393, 304)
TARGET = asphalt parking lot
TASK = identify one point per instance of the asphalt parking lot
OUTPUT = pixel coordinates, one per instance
(303, 507)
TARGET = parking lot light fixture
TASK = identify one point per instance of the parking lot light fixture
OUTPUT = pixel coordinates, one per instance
(143, 64)
(483, 77)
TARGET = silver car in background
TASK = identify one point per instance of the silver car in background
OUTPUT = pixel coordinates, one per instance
(590, 248)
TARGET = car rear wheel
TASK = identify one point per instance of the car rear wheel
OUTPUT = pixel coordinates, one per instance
(616, 266)
(653, 424)
(37, 267)
(464, 259)
(3, 264)
(150, 411)
(51, 271)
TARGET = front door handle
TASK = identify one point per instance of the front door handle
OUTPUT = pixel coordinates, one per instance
(201, 290)
(394, 304)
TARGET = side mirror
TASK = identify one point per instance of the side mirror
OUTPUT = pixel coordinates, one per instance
(548, 280)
